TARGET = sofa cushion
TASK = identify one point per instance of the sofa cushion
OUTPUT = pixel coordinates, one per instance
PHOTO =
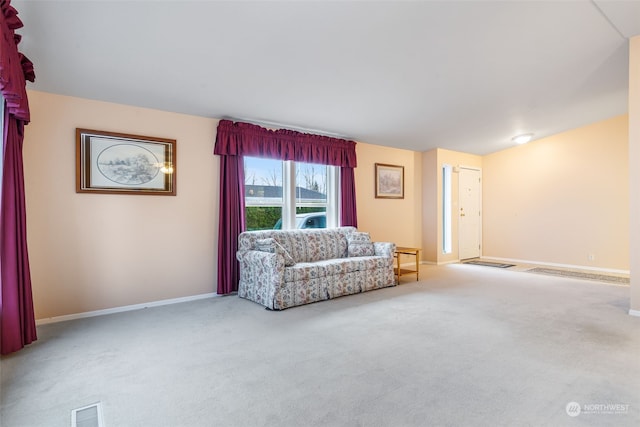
(313, 270)
(333, 267)
(359, 244)
(314, 245)
(271, 245)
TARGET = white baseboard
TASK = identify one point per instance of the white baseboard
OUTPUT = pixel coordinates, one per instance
(553, 264)
(452, 261)
(122, 309)
(634, 313)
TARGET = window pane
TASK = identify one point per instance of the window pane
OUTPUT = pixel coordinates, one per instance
(263, 193)
(311, 195)
(311, 184)
(263, 217)
(262, 182)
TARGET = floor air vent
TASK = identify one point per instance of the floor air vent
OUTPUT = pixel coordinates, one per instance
(87, 416)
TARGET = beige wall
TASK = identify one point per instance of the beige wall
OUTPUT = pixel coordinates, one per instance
(96, 251)
(432, 208)
(634, 168)
(431, 241)
(555, 200)
(560, 199)
(391, 220)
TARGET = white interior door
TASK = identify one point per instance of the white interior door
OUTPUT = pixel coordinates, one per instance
(470, 215)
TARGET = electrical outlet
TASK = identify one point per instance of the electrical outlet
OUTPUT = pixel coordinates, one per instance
(591, 257)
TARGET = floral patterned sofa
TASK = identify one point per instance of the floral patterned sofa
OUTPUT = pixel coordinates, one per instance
(285, 268)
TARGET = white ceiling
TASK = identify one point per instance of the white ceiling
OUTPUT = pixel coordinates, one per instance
(465, 76)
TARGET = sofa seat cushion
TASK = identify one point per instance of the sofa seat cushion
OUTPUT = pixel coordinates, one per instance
(312, 270)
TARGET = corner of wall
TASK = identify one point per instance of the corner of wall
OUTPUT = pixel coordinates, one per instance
(634, 171)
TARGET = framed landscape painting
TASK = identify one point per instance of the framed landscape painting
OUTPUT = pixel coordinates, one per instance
(117, 163)
(389, 181)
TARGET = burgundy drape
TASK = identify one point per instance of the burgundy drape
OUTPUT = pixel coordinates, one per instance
(231, 221)
(17, 320)
(235, 140)
(348, 214)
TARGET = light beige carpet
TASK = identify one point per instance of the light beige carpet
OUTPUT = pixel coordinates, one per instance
(465, 346)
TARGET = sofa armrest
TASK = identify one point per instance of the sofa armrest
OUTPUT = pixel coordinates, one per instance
(385, 249)
(255, 256)
(261, 273)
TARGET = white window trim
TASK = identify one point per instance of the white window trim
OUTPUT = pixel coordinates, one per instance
(333, 197)
(288, 195)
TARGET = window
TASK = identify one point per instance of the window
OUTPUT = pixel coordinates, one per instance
(446, 209)
(286, 194)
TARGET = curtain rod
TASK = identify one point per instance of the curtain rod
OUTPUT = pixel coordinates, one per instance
(277, 125)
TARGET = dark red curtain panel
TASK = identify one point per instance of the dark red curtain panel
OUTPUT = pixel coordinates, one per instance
(348, 214)
(17, 321)
(235, 140)
(231, 222)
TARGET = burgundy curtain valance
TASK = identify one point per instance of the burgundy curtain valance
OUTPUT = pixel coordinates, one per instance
(245, 139)
(15, 68)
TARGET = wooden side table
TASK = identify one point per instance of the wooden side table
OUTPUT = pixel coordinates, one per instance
(415, 252)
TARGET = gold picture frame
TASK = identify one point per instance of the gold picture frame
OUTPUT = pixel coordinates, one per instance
(118, 163)
(389, 181)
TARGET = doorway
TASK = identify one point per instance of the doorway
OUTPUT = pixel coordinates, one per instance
(470, 213)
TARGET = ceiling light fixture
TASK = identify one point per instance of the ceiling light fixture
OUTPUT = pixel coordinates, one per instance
(522, 139)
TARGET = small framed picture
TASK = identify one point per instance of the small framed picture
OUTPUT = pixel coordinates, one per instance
(389, 181)
(118, 163)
